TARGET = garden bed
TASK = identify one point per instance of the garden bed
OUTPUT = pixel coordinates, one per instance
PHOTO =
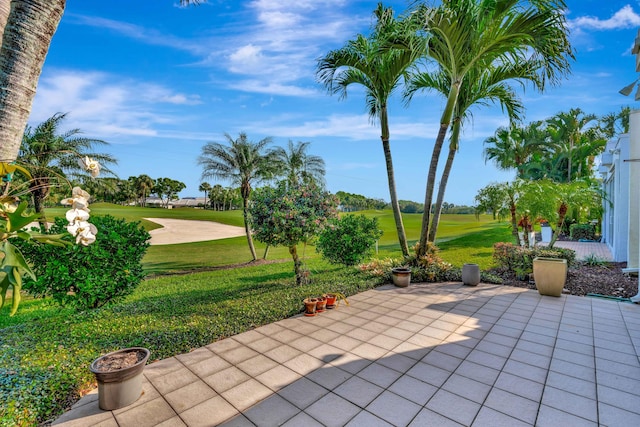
(583, 279)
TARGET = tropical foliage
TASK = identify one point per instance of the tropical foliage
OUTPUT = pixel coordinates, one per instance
(349, 240)
(242, 162)
(288, 215)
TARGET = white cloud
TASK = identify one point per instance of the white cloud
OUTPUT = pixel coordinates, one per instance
(352, 127)
(104, 105)
(622, 19)
(272, 88)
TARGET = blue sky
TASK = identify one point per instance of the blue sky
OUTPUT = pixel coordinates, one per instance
(158, 82)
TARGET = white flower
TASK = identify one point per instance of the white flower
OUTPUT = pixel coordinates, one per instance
(90, 165)
(75, 215)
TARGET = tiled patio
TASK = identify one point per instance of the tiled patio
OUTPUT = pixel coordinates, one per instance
(427, 355)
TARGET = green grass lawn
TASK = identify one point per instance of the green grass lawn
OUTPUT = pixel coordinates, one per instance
(46, 349)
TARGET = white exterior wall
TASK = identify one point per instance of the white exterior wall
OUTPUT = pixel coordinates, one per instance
(633, 252)
(615, 220)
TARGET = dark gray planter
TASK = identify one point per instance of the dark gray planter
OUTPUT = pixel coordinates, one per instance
(121, 387)
(471, 274)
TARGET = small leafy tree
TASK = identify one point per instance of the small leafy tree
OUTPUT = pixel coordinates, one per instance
(349, 240)
(291, 214)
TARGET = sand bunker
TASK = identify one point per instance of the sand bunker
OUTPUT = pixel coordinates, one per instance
(187, 231)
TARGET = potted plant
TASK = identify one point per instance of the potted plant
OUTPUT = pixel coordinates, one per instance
(310, 306)
(401, 276)
(321, 303)
(333, 299)
(550, 275)
(119, 376)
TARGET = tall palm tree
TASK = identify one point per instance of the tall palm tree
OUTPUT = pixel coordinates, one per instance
(568, 130)
(298, 166)
(482, 88)
(364, 62)
(26, 30)
(242, 162)
(51, 156)
(205, 187)
(613, 124)
(515, 146)
(464, 35)
(142, 185)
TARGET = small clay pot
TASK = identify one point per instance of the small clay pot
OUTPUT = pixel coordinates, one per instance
(310, 306)
(321, 304)
(331, 301)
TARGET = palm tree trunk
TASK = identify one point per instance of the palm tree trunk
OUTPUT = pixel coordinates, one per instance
(39, 191)
(453, 147)
(514, 223)
(26, 37)
(445, 120)
(245, 214)
(431, 179)
(395, 206)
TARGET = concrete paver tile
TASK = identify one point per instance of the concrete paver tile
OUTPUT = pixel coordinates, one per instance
(304, 364)
(189, 396)
(345, 343)
(195, 356)
(247, 337)
(454, 407)
(304, 343)
(264, 344)
(332, 410)
(494, 348)
(358, 391)
(552, 417)
(351, 363)
(329, 376)
(530, 358)
(429, 374)
(302, 420)
(481, 373)
(397, 362)
(84, 415)
(571, 403)
(224, 345)
(379, 374)
(442, 360)
(367, 419)
(283, 353)
(519, 386)
(515, 406)
(467, 388)
(278, 377)
(173, 380)
(237, 421)
(413, 389)
(226, 379)
(302, 392)
(619, 382)
(256, 365)
(327, 352)
(273, 411)
(549, 340)
(149, 392)
(208, 366)
(429, 418)
(209, 413)
(573, 369)
(162, 367)
(385, 342)
(238, 354)
(377, 327)
(453, 349)
(523, 370)
(362, 334)
(488, 417)
(572, 384)
(171, 422)
(246, 394)
(486, 359)
(619, 399)
(148, 414)
(613, 416)
(393, 408)
(286, 336)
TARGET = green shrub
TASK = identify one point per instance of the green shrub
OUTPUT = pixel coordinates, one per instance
(349, 240)
(520, 259)
(89, 276)
(582, 231)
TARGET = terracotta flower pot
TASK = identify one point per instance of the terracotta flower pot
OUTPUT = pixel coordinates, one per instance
(321, 303)
(331, 301)
(310, 306)
(119, 376)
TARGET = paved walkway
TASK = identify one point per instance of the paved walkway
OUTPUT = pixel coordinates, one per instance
(426, 355)
(587, 249)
